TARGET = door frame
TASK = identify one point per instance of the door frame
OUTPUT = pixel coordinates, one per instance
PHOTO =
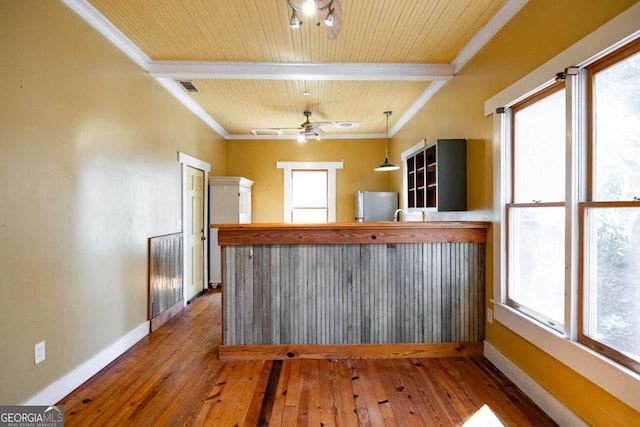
(187, 160)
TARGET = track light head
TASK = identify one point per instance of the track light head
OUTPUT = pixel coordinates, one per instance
(295, 20)
(329, 20)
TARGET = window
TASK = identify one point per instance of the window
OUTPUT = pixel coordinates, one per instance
(309, 191)
(610, 289)
(309, 196)
(606, 230)
(600, 237)
(536, 212)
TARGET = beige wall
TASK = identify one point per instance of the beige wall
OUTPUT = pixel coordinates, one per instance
(89, 171)
(256, 160)
(540, 31)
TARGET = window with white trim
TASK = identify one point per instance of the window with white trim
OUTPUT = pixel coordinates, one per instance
(610, 218)
(536, 212)
(309, 196)
(309, 191)
(579, 225)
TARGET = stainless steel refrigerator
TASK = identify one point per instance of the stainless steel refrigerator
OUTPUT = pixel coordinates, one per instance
(375, 205)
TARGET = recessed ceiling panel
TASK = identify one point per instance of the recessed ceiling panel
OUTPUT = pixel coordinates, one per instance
(375, 35)
(407, 31)
(242, 105)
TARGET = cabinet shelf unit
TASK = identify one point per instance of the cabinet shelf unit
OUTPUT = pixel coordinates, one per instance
(437, 176)
(229, 203)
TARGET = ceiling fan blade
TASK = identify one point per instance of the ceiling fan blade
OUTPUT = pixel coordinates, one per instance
(334, 30)
(318, 124)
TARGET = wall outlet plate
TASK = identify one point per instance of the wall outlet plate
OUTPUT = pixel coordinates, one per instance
(39, 352)
(489, 316)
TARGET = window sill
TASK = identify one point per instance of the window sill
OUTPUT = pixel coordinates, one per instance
(612, 377)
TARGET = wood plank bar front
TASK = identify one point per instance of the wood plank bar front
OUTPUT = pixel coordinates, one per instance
(352, 290)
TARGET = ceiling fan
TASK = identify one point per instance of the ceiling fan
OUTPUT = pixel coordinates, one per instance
(329, 10)
(310, 129)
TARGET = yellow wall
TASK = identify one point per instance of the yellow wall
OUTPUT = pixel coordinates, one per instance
(88, 167)
(89, 171)
(540, 31)
(256, 160)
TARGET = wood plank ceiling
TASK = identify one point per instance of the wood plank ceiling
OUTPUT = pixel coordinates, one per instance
(242, 55)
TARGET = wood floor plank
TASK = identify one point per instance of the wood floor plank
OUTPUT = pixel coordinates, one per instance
(174, 377)
(380, 394)
(345, 414)
(418, 394)
(402, 405)
(440, 408)
(327, 410)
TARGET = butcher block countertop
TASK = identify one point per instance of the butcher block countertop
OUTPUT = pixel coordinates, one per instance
(352, 232)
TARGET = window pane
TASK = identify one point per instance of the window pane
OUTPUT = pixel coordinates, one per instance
(539, 150)
(616, 91)
(536, 260)
(309, 216)
(309, 188)
(612, 295)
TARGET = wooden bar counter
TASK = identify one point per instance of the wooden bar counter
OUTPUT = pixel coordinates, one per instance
(385, 289)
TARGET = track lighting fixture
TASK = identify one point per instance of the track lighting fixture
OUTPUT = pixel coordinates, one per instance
(329, 11)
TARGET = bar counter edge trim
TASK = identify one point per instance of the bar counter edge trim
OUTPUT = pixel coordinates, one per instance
(352, 233)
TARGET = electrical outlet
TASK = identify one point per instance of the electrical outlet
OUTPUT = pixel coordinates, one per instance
(489, 316)
(39, 352)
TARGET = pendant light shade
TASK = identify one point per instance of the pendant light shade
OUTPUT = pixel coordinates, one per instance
(387, 165)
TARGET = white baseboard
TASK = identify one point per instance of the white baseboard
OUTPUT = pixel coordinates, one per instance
(541, 397)
(55, 391)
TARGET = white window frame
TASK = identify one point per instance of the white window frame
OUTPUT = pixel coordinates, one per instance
(330, 167)
(621, 382)
(511, 205)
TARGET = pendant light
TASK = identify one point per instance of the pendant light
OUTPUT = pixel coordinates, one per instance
(387, 166)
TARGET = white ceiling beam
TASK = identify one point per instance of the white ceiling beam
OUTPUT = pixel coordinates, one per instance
(94, 18)
(486, 33)
(311, 140)
(300, 71)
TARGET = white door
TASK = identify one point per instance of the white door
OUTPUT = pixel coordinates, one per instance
(194, 233)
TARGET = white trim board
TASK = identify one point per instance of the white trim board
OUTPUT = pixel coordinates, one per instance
(545, 400)
(187, 160)
(194, 162)
(619, 30)
(300, 71)
(613, 378)
(57, 390)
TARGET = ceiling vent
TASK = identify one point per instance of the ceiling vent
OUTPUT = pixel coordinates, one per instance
(346, 125)
(268, 131)
(188, 85)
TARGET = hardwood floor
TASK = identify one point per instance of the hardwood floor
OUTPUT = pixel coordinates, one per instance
(173, 378)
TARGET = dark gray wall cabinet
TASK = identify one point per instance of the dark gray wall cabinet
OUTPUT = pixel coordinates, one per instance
(437, 176)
